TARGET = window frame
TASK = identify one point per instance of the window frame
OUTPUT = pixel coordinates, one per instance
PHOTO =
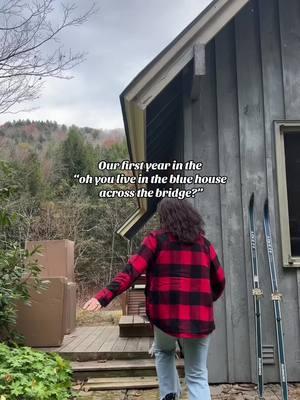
(280, 128)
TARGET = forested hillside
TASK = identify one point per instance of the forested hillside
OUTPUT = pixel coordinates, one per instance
(42, 133)
(39, 160)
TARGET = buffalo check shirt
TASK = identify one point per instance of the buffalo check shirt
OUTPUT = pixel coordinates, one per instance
(183, 281)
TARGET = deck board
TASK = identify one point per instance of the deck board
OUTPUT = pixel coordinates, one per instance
(90, 339)
(102, 343)
(132, 344)
(112, 337)
(81, 334)
(117, 365)
(143, 344)
(100, 339)
(137, 319)
(126, 320)
(119, 368)
(120, 344)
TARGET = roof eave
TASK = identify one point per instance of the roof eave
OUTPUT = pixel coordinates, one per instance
(143, 89)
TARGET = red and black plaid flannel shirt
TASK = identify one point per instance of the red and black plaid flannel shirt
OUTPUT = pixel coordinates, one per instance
(183, 281)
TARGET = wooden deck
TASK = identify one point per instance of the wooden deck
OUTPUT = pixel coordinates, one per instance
(102, 343)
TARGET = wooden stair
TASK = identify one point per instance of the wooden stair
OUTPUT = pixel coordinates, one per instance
(119, 368)
(134, 321)
(119, 383)
(134, 325)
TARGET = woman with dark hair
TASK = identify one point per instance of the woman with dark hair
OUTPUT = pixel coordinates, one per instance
(184, 278)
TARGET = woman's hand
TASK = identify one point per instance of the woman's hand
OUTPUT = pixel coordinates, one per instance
(92, 305)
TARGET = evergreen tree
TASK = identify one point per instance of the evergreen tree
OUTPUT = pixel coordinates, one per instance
(76, 156)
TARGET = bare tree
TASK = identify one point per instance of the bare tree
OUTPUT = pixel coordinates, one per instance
(30, 48)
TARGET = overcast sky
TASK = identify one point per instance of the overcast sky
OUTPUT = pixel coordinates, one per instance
(121, 39)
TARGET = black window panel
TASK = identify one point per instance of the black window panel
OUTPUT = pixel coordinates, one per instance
(292, 160)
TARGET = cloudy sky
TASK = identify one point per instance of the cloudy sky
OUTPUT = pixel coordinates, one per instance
(121, 39)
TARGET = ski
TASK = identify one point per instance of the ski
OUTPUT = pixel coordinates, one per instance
(257, 294)
(276, 298)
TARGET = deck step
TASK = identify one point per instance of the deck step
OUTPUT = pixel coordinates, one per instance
(134, 325)
(102, 343)
(118, 368)
(121, 354)
(95, 384)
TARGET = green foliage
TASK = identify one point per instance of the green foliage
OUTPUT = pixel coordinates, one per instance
(7, 179)
(7, 188)
(5, 173)
(76, 155)
(34, 177)
(48, 203)
(16, 265)
(15, 271)
(28, 174)
(32, 375)
(117, 152)
(23, 175)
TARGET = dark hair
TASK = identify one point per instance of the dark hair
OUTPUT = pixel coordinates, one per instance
(181, 219)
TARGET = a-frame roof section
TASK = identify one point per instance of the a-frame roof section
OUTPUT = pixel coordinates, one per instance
(162, 69)
(154, 78)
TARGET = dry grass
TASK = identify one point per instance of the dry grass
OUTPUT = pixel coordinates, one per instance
(102, 317)
(109, 315)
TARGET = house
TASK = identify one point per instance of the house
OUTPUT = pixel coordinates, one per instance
(226, 92)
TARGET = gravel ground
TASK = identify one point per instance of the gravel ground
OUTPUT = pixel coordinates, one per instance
(218, 392)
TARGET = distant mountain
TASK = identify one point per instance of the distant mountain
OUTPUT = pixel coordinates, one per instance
(39, 134)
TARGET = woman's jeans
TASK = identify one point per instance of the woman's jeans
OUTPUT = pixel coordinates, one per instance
(195, 365)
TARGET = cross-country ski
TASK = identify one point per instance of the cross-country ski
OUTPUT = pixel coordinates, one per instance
(276, 298)
(257, 293)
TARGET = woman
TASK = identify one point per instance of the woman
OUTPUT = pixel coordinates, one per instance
(184, 278)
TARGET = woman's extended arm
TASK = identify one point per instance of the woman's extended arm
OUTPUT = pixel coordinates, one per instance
(136, 265)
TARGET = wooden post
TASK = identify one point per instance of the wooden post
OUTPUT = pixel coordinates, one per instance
(199, 69)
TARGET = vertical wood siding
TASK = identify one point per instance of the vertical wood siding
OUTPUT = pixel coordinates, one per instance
(205, 149)
(289, 21)
(252, 79)
(237, 324)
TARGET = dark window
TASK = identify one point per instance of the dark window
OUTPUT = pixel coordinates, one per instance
(292, 161)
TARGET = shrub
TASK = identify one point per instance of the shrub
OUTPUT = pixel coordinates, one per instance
(16, 263)
(15, 271)
(26, 374)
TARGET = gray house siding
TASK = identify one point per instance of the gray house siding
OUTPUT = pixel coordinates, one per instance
(252, 79)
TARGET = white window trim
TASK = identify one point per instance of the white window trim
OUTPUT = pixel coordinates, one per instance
(280, 128)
